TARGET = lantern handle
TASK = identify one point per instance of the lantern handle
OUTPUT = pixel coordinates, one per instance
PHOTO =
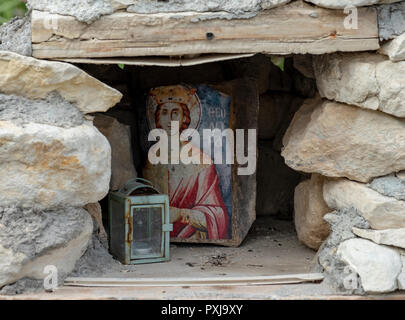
(135, 183)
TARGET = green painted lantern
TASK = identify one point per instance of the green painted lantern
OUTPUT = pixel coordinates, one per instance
(139, 223)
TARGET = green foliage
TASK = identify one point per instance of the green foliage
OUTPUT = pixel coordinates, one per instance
(278, 61)
(10, 9)
(121, 66)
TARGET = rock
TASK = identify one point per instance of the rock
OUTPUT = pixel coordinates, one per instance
(94, 209)
(401, 277)
(119, 137)
(366, 80)
(15, 36)
(303, 63)
(377, 266)
(395, 49)
(46, 166)
(380, 211)
(389, 237)
(309, 209)
(338, 140)
(35, 79)
(30, 240)
(390, 186)
(400, 175)
(391, 19)
(341, 4)
(335, 270)
(275, 183)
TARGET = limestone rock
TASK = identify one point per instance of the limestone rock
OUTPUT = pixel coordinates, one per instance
(380, 211)
(338, 140)
(377, 266)
(275, 183)
(401, 277)
(35, 79)
(395, 49)
(94, 209)
(119, 137)
(309, 209)
(30, 240)
(389, 237)
(365, 80)
(46, 166)
(341, 4)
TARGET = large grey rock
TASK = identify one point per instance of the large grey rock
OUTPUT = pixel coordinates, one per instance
(389, 237)
(391, 19)
(366, 80)
(47, 166)
(309, 209)
(338, 140)
(119, 137)
(30, 240)
(35, 79)
(341, 4)
(377, 266)
(395, 49)
(401, 277)
(380, 211)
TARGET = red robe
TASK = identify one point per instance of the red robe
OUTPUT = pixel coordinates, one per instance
(200, 192)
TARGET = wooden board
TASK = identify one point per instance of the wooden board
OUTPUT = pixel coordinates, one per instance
(296, 28)
(195, 282)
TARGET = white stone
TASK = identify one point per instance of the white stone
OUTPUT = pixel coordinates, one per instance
(35, 79)
(341, 4)
(380, 211)
(46, 166)
(395, 49)
(309, 209)
(56, 245)
(366, 80)
(401, 277)
(389, 237)
(338, 140)
(377, 266)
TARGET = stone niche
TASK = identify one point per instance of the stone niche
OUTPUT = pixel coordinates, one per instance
(329, 146)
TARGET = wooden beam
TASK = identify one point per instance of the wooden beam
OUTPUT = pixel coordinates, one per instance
(181, 282)
(296, 28)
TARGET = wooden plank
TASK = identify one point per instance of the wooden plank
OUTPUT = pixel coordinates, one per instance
(294, 28)
(160, 61)
(181, 282)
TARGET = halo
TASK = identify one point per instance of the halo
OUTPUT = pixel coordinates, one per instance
(178, 93)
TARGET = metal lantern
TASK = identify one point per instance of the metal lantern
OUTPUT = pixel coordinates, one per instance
(139, 223)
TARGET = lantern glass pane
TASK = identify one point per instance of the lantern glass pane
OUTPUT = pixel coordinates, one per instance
(147, 232)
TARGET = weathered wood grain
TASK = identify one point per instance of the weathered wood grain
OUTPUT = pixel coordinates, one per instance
(295, 28)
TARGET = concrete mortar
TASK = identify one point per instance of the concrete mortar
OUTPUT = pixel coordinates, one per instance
(15, 36)
(341, 222)
(35, 232)
(391, 19)
(389, 186)
(86, 11)
(219, 9)
(53, 110)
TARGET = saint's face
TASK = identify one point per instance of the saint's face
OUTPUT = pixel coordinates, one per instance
(170, 112)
